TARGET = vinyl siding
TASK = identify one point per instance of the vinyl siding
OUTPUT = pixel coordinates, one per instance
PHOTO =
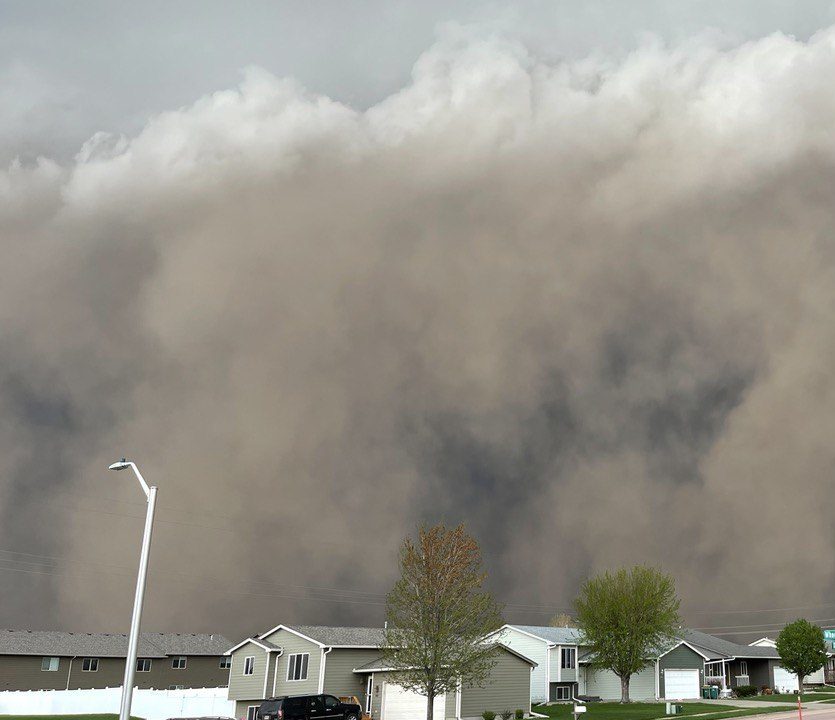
(248, 687)
(760, 672)
(680, 658)
(568, 674)
(23, 672)
(340, 678)
(293, 644)
(606, 685)
(507, 688)
(451, 702)
(242, 706)
(536, 650)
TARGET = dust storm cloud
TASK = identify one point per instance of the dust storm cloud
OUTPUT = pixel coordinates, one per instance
(584, 307)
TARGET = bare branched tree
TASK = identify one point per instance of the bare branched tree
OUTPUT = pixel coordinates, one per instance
(438, 614)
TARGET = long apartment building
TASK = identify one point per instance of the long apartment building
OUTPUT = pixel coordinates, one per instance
(52, 660)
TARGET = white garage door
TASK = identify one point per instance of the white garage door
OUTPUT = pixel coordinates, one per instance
(784, 681)
(401, 704)
(681, 684)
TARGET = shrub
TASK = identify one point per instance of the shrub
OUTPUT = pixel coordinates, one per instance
(745, 690)
(488, 715)
(506, 715)
(519, 713)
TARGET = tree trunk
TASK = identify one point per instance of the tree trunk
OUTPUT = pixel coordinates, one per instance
(430, 704)
(799, 686)
(624, 688)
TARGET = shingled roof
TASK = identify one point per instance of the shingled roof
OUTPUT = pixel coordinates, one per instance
(69, 644)
(342, 636)
(558, 635)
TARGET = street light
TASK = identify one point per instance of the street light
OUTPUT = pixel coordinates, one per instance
(133, 642)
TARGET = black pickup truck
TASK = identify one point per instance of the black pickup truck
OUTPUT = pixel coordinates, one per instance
(308, 707)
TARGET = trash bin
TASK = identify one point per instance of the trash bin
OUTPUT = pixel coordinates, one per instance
(706, 692)
(714, 692)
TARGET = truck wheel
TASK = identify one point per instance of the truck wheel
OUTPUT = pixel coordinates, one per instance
(351, 716)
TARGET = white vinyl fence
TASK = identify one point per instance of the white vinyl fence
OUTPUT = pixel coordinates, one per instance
(148, 704)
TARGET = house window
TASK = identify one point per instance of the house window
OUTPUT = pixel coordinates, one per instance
(179, 663)
(90, 665)
(569, 658)
(143, 665)
(743, 668)
(560, 692)
(297, 666)
(251, 711)
(249, 665)
(49, 664)
(176, 687)
(225, 662)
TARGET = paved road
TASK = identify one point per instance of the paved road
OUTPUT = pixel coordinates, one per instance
(750, 703)
(812, 712)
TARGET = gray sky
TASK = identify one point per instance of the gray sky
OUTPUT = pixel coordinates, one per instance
(561, 271)
(69, 69)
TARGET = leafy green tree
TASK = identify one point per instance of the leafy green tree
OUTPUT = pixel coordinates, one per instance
(624, 617)
(802, 649)
(438, 614)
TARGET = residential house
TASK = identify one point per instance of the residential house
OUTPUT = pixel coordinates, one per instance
(345, 661)
(565, 667)
(826, 675)
(52, 660)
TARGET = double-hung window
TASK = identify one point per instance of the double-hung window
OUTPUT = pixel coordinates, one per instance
(179, 663)
(225, 662)
(143, 665)
(90, 665)
(49, 664)
(297, 666)
(249, 665)
(743, 668)
(252, 711)
(569, 658)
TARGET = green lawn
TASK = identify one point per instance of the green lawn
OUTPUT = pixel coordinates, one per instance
(650, 711)
(791, 697)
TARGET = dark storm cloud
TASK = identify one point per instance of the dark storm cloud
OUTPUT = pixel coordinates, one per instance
(584, 307)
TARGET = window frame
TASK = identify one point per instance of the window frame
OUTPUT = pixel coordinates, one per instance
(249, 664)
(91, 663)
(144, 660)
(743, 668)
(558, 689)
(225, 662)
(175, 662)
(48, 660)
(250, 715)
(572, 655)
(176, 687)
(293, 665)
